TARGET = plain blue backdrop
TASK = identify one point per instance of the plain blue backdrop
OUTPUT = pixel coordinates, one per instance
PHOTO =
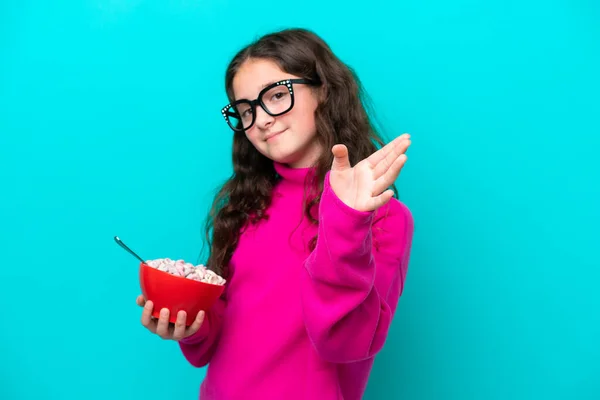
(110, 125)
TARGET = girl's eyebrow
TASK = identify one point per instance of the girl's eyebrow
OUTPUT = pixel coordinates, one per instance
(270, 83)
(264, 86)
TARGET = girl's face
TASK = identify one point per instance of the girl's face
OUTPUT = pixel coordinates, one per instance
(290, 138)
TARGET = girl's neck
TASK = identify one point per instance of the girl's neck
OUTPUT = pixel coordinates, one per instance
(310, 156)
(291, 174)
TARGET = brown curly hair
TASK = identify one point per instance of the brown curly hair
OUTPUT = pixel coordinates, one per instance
(342, 116)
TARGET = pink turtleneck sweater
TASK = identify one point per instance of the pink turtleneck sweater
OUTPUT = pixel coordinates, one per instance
(295, 324)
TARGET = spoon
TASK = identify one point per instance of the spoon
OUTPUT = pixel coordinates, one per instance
(120, 243)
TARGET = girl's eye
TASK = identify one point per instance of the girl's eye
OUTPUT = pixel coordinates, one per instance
(278, 96)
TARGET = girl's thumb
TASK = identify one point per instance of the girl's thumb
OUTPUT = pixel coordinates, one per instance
(340, 158)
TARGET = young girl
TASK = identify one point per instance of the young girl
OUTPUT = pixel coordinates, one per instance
(306, 231)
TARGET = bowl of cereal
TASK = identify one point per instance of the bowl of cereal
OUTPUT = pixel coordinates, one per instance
(179, 285)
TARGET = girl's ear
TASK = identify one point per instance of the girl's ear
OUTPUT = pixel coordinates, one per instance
(320, 93)
(320, 90)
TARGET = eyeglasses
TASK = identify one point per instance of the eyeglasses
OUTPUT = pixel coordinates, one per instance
(276, 99)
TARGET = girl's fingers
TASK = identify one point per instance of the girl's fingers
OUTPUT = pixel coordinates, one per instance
(179, 330)
(196, 324)
(140, 300)
(390, 176)
(162, 328)
(387, 162)
(381, 200)
(380, 154)
(147, 320)
(341, 162)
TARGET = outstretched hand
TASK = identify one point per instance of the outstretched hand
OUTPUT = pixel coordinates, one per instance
(364, 187)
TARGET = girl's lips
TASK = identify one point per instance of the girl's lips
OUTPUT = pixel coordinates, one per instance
(271, 136)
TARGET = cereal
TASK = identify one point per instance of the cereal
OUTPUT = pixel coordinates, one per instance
(187, 270)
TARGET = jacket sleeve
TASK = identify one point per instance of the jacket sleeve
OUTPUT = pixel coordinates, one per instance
(352, 281)
(199, 347)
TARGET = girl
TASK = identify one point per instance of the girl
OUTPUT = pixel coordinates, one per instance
(306, 231)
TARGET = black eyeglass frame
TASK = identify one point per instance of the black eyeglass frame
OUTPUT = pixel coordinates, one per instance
(258, 102)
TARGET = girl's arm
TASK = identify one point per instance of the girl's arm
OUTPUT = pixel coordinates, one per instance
(199, 347)
(353, 279)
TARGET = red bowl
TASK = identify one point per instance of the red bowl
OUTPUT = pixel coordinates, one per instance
(177, 293)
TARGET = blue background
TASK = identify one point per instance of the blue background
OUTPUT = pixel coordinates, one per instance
(110, 125)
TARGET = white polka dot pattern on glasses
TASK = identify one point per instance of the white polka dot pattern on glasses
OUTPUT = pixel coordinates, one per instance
(186, 270)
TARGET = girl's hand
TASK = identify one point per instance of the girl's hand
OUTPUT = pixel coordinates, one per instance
(162, 327)
(364, 187)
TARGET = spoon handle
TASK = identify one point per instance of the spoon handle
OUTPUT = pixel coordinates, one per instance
(120, 243)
